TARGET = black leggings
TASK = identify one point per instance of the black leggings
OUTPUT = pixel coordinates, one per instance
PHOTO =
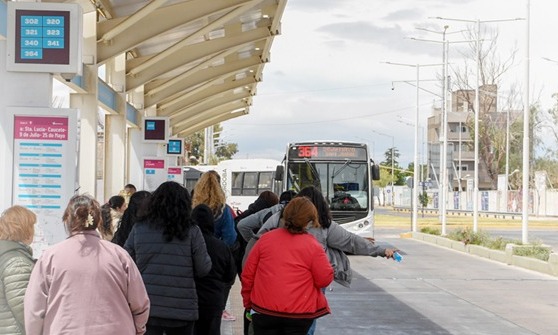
(160, 330)
(274, 325)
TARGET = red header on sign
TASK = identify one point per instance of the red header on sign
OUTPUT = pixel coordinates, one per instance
(154, 164)
(175, 170)
(41, 128)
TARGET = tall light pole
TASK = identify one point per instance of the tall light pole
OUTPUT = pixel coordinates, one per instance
(477, 111)
(392, 163)
(414, 200)
(526, 107)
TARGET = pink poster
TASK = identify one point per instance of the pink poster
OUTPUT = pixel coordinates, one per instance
(40, 128)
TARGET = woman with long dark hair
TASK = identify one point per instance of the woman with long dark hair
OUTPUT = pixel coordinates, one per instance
(111, 213)
(169, 251)
(130, 217)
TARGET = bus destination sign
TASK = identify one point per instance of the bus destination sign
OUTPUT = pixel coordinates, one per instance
(327, 152)
(42, 37)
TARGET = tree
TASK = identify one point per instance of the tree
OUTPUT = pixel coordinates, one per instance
(223, 150)
(391, 155)
(492, 120)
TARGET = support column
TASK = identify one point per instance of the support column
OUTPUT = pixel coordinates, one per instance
(87, 103)
(115, 131)
(87, 152)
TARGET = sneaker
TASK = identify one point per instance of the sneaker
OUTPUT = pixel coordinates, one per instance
(228, 316)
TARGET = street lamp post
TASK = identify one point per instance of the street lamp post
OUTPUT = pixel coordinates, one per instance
(414, 200)
(392, 164)
(477, 110)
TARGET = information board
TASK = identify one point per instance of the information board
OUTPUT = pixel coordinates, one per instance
(44, 37)
(43, 174)
(154, 173)
(174, 173)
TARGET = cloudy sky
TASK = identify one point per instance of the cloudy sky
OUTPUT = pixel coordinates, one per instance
(327, 79)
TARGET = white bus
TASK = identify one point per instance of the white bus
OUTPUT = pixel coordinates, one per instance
(244, 179)
(343, 171)
(192, 174)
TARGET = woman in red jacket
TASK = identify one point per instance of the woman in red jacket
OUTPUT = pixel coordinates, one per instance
(284, 275)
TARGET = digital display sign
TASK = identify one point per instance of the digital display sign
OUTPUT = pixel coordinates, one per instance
(155, 129)
(327, 152)
(44, 37)
(175, 146)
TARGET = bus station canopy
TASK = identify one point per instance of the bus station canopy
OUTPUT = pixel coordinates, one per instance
(196, 61)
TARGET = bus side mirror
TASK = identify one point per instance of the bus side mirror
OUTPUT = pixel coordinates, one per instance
(375, 169)
(279, 172)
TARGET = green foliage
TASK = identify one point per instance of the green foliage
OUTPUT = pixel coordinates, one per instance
(423, 199)
(467, 236)
(535, 251)
(223, 150)
(430, 230)
(226, 151)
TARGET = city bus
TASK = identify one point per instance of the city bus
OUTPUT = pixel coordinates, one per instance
(343, 171)
(192, 174)
(244, 179)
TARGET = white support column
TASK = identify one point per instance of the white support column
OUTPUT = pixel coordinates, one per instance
(115, 131)
(87, 105)
(115, 154)
(135, 155)
(88, 108)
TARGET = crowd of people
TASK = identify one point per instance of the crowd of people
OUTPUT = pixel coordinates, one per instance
(164, 263)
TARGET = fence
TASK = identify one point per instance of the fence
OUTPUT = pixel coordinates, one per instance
(541, 202)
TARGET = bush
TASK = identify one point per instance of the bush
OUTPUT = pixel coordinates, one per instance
(467, 236)
(430, 230)
(535, 251)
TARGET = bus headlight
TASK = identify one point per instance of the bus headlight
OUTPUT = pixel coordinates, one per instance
(366, 223)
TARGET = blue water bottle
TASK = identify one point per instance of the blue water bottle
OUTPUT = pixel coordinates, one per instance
(397, 257)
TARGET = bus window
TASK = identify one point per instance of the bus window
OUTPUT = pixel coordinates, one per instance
(236, 183)
(266, 182)
(249, 186)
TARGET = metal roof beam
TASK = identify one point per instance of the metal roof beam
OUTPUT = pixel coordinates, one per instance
(202, 94)
(189, 54)
(200, 108)
(212, 117)
(157, 23)
(201, 77)
(189, 40)
(131, 20)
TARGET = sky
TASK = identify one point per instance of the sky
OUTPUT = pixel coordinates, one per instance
(327, 77)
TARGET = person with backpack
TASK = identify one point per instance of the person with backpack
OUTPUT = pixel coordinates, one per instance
(249, 225)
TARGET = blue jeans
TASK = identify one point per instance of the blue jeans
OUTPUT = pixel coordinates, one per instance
(312, 328)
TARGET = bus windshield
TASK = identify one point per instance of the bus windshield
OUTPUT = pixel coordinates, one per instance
(343, 183)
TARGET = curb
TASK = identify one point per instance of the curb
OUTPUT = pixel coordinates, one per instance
(507, 257)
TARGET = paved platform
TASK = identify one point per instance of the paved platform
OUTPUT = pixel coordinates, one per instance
(433, 291)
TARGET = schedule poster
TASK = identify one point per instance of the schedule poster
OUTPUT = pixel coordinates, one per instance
(174, 173)
(154, 173)
(41, 148)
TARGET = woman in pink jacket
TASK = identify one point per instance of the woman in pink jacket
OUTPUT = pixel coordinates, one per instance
(85, 285)
(285, 273)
